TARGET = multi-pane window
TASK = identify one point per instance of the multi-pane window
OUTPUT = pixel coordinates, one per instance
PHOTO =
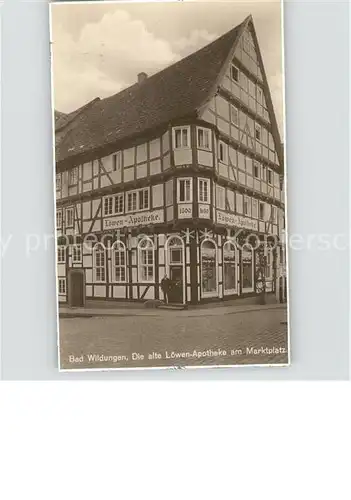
(73, 176)
(119, 262)
(203, 138)
(76, 254)
(108, 205)
(61, 254)
(234, 115)
(58, 182)
(59, 219)
(181, 137)
(69, 217)
(136, 200)
(269, 176)
(204, 190)
(146, 260)
(256, 170)
(234, 73)
(261, 211)
(116, 161)
(99, 263)
(259, 94)
(222, 152)
(132, 201)
(119, 203)
(257, 132)
(113, 204)
(246, 205)
(185, 190)
(62, 286)
(143, 199)
(274, 214)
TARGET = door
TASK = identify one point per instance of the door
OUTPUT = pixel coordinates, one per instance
(77, 289)
(176, 288)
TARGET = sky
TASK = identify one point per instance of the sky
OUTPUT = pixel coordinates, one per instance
(99, 48)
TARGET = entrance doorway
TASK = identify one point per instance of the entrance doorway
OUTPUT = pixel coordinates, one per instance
(76, 295)
(176, 290)
(175, 269)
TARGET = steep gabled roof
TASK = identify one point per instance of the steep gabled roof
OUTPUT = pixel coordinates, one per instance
(175, 92)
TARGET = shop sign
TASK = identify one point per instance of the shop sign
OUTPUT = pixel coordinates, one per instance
(185, 211)
(134, 220)
(234, 220)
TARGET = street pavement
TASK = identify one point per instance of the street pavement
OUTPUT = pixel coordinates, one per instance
(224, 337)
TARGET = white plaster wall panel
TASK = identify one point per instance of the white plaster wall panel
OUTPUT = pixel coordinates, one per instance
(141, 171)
(242, 178)
(155, 148)
(223, 126)
(96, 167)
(183, 157)
(141, 155)
(96, 226)
(87, 261)
(119, 292)
(95, 183)
(105, 181)
(155, 167)
(89, 275)
(166, 162)
(165, 142)
(99, 291)
(129, 174)
(205, 158)
(157, 196)
(169, 213)
(87, 186)
(128, 157)
(223, 170)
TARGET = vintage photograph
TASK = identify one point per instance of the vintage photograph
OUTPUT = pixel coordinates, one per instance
(170, 184)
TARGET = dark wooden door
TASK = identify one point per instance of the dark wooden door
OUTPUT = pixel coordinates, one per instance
(176, 289)
(77, 289)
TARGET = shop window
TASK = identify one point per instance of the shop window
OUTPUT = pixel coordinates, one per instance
(146, 260)
(119, 267)
(230, 267)
(76, 254)
(62, 286)
(247, 269)
(181, 137)
(99, 263)
(61, 254)
(208, 268)
(185, 194)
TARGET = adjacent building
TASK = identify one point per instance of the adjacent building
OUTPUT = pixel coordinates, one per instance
(159, 179)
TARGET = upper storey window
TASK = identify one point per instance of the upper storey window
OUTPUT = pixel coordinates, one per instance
(234, 72)
(234, 115)
(73, 176)
(185, 190)
(181, 137)
(204, 138)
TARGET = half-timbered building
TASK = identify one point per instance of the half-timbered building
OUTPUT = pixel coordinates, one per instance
(158, 179)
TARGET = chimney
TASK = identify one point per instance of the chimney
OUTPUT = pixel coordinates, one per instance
(141, 77)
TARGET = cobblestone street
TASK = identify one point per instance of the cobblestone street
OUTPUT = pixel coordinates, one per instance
(174, 338)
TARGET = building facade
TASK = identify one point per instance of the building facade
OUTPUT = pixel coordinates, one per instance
(165, 179)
